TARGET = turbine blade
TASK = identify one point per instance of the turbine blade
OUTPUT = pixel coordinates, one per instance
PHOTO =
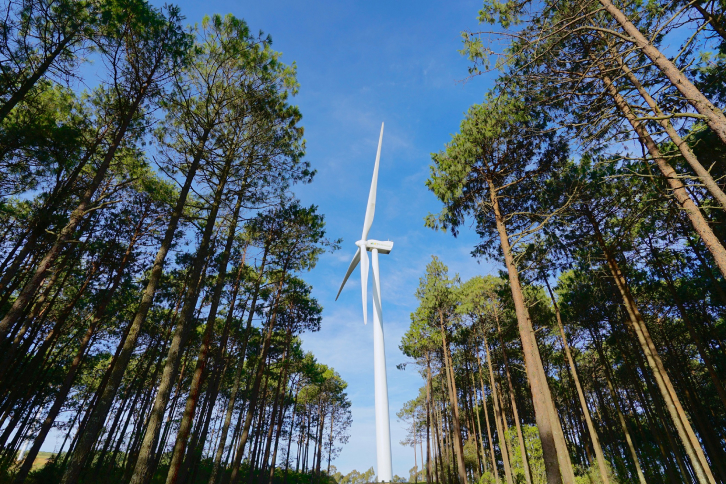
(376, 288)
(371, 207)
(364, 282)
(351, 267)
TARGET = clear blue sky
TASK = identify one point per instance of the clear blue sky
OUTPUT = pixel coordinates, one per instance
(361, 63)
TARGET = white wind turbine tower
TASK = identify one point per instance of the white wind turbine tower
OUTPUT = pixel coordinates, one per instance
(383, 430)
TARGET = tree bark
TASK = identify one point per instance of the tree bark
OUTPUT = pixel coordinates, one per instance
(675, 410)
(713, 116)
(602, 468)
(556, 465)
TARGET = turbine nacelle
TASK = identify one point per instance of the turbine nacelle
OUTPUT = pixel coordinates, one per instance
(383, 247)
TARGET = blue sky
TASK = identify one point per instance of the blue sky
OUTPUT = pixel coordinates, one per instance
(360, 64)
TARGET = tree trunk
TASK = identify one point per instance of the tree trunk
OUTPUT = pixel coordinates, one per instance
(621, 417)
(78, 214)
(602, 467)
(515, 412)
(428, 420)
(489, 427)
(685, 202)
(678, 415)
(556, 460)
(703, 174)
(128, 344)
(713, 116)
(695, 336)
(498, 417)
(458, 447)
(197, 378)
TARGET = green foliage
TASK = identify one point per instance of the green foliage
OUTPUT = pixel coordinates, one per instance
(355, 477)
(534, 454)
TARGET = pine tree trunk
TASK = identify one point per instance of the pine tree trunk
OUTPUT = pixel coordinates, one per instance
(76, 217)
(458, 447)
(197, 378)
(688, 155)
(128, 344)
(713, 116)
(428, 420)
(556, 460)
(695, 336)
(515, 412)
(675, 410)
(621, 417)
(489, 427)
(498, 417)
(602, 468)
(685, 202)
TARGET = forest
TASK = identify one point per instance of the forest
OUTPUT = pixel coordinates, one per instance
(153, 253)
(593, 174)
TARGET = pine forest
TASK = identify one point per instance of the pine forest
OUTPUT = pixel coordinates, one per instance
(155, 260)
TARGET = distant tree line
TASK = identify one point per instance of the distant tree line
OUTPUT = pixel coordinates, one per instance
(594, 171)
(152, 253)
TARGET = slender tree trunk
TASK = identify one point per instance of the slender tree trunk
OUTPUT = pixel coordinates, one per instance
(621, 417)
(478, 422)
(678, 415)
(498, 417)
(458, 446)
(489, 427)
(40, 71)
(197, 378)
(515, 412)
(128, 344)
(78, 214)
(712, 115)
(556, 460)
(602, 467)
(695, 336)
(676, 185)
(428, 420)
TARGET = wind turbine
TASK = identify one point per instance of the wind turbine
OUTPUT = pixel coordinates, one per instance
(383, 430)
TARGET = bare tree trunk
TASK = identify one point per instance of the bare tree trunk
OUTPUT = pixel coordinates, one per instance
(702, 351)
(602, 468)
(486, 417)
(688, 155)
(678, 415)
(515, 412)
(498, 417)
(197, 378)
(428, 420)
(556, 460)
(685, 202)
(713, 116)
(458, 447)
(128, 344)
(621, 417)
